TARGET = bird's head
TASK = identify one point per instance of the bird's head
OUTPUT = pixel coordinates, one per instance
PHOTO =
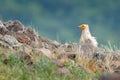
(83, 26)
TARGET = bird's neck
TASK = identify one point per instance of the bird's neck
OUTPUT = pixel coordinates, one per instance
(86, 32)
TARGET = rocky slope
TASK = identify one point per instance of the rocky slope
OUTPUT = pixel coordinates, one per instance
(27, 45)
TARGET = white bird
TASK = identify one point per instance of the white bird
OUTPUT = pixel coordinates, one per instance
(86, 36)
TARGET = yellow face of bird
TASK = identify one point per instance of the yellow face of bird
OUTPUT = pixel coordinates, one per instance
(82, 26)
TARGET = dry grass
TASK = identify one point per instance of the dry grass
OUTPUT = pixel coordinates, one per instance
(82, 68)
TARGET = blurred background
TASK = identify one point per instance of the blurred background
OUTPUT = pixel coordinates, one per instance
(58, 19)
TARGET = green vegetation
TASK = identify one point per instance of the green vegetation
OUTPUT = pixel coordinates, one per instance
(42, 70)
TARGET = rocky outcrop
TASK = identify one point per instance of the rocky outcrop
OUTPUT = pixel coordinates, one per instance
(11, 40)
(14, 33)
(17, 38)
(14, 26)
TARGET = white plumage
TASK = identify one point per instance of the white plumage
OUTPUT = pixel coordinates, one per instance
(86, 36)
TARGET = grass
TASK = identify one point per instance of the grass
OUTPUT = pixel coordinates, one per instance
(42, 70)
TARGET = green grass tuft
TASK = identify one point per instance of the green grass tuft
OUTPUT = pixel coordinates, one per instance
(42, 70)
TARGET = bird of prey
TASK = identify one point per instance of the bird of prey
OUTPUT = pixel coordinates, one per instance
(86, 36)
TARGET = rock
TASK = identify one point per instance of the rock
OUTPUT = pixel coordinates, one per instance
(68, 47)
(72, 47)
(14, 26)
(4, 45)
(8, 23)
(30, 33)
(36, 43)
(112, 76)
(49, 44)
(117, 69)
(59, 50)
(23, 39)
(63, 70)
(26, 48)
(1, 36)
(45, 45)
(99, 56)
(11, 40)
(58, 62)
(115, 56)
(3, 31)
(86, 48)
(70, 55)
(56, 43)
(41, 39)
(47, 53)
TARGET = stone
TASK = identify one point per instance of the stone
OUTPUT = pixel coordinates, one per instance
(63, 70)
(36, 43)
(58, 62)
(14, 26)
(4, 45)
(12, 41)
(49, 44)
(1, 36)
(30, 33)
(70, 55)
(23, 39)
(3, 31)
(47, 53)
(112, 76)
